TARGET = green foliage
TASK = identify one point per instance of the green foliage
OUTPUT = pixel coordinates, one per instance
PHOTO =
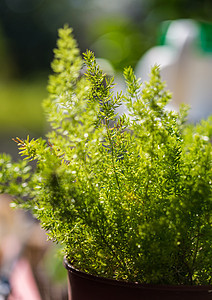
(14, 176)
(129, 197)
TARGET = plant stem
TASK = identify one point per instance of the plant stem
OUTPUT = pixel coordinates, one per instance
(112, 153)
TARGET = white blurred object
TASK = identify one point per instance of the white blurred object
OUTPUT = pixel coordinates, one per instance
(185, 66)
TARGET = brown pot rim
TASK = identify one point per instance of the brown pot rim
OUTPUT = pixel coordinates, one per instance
(87, 276)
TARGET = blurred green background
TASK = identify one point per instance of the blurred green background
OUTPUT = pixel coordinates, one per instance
(118, 30)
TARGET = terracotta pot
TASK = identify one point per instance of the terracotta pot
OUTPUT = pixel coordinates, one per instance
(83, 286)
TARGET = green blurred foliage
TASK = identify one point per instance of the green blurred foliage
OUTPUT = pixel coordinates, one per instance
(175, 9)
(20, 106)
(6, 59)
(118, 40)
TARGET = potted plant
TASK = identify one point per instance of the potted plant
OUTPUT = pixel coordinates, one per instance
(128, 196)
